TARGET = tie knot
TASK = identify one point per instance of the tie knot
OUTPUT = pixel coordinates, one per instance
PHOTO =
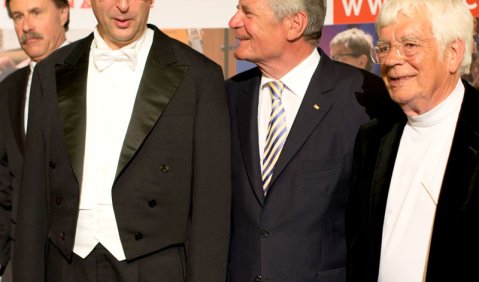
(104, 58)
(276, 88)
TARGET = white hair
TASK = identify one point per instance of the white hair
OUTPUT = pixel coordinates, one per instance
(450, 20)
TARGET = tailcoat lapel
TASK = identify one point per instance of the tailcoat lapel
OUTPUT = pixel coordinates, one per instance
(16, 100)
(248, 131)
(71, 79)
(160, 81)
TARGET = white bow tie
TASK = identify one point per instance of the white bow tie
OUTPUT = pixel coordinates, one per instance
(104, 58)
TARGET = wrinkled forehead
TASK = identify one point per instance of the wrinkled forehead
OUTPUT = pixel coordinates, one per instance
(406, 27)
(399, 10)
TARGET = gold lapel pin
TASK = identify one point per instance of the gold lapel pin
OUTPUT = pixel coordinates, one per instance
(316, 107)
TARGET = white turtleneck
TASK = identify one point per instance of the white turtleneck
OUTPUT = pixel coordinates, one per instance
(414, 190)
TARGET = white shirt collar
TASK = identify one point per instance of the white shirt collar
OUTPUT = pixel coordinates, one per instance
(295, 79)
(447, 108)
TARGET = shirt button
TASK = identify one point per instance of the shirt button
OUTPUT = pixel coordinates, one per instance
(138, 236)
(62, 236)
(52, 164)
(264, 233)
(258, 278)
(152, 203)
(58, 200)
(165, 168)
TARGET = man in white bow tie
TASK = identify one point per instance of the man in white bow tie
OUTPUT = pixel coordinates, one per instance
(127, 168)
(40, 26)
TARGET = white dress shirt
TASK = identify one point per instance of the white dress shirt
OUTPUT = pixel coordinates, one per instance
(111, 95)
(27, 95)
(296, 83)
(414, 190)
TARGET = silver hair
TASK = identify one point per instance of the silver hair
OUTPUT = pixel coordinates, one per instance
(315, 9)
(450, 20)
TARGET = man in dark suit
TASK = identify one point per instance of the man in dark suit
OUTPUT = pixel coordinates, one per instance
(289, 192)
(127, 167)
(414, 205)
(40, 26)
(7, 66)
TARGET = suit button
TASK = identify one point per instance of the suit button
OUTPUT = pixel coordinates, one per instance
(264, 233)
(52, 164)
(152, 203)
(138, 236)
(58, 200)
(258, 278)
(165, 168)
(62, 236)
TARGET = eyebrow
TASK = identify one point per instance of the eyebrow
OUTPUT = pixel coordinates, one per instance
(34, 9)
(401, 39)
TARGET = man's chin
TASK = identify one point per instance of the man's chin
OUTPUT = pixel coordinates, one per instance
(34, 54)
(241, 54)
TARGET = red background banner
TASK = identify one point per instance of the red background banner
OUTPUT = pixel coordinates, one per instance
(365, 11)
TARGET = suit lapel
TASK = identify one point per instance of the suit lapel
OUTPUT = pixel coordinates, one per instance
(160, 81)
(459, 178)
(248, 131)
(383, 169)
(16, 100)
(389, 136)
(308, 116)
(71, 89)
(458, 190)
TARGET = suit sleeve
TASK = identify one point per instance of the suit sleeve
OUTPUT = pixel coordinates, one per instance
(31, 233)
(352, 214)
(5, 190)
(210, 218)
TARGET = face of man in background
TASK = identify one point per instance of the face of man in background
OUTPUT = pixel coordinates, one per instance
(121, 22)
(39, 26)
(341, 53)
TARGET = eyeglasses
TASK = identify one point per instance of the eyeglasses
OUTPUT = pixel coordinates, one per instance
(404, 49)
(339, 56)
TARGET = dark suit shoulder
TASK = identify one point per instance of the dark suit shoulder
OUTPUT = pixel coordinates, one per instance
(373, 94)
(241, 80)
(14, 77)
(185, 54)
(469, 107)
(189, 54)
(69, 54)
(245, 76)
(246, 83)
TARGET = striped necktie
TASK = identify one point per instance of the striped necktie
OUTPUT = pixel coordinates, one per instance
(276, 135)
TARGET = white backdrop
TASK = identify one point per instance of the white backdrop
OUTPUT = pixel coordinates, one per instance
(164, 14)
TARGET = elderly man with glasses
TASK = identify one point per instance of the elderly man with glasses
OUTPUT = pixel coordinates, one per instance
(413, 210)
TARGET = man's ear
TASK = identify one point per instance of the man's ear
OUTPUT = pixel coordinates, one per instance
(64, 14)
(363, 61)
(297, 25)
(454, 55)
